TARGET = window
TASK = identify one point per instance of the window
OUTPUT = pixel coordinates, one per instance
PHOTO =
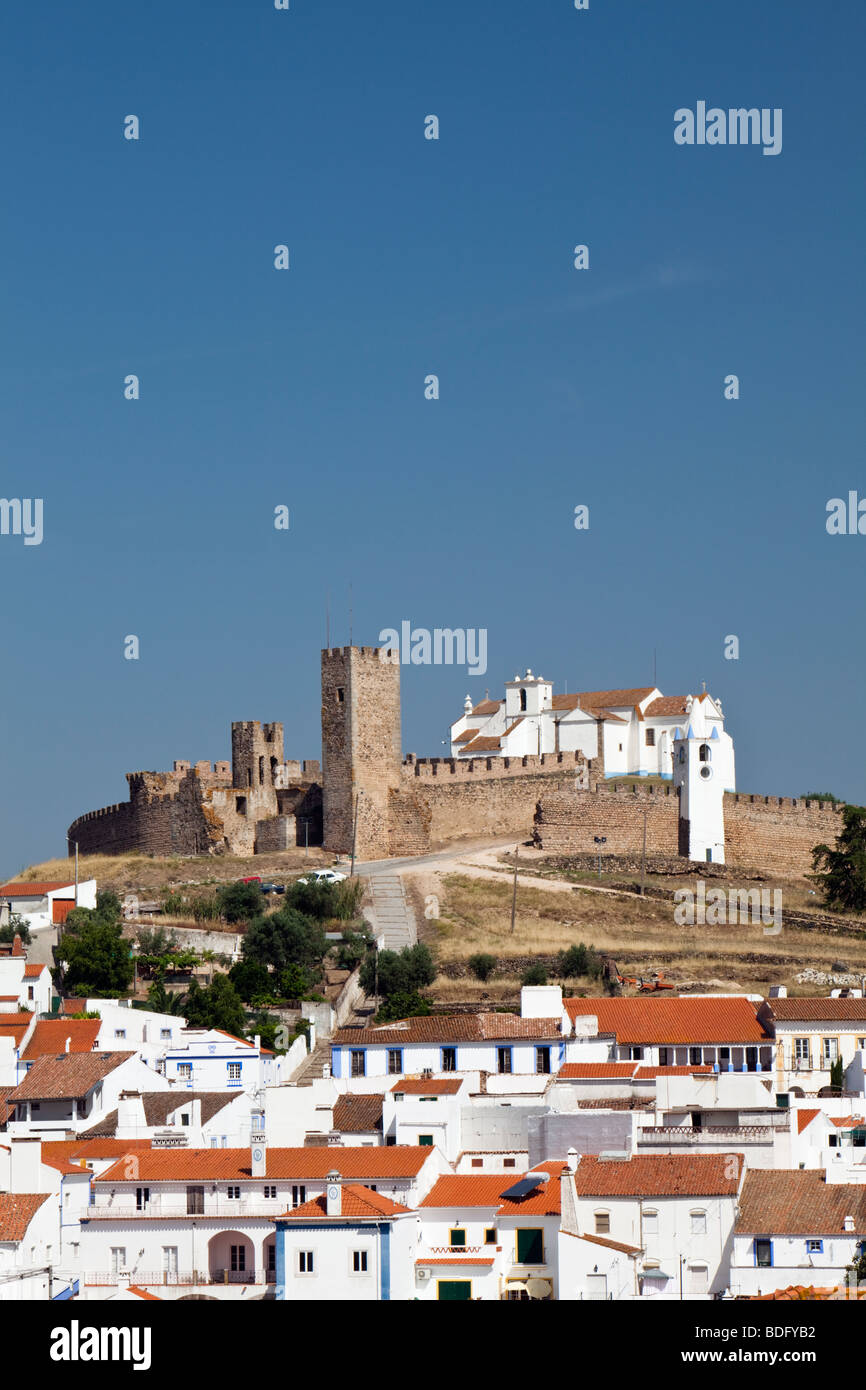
(359, 1064)
(704, 753)
(490, 1235)
(457, 1238)
(801, 1051)
(635, 1054)
(165, 1032)
(299, 1195)
(270, 1191)
(530, 1247)
(184, 1069)
(305, 1262)
(681, 756)
(542, 1061)
(503, 1060)
(118, 1258)
(395, 1061)
(142, 1197)
(814, 1247)
(341, 694)
(698, 1279)
(695, 1056)
(602, 1223)
(31, 994)
(426, 1140)
(663, 1056)
(169, 1259)
(184, 1120)
(650, 1223)
(120, 1032)
(234, 1071)
(359, 1262)
(449, 1059)
(764, 1254)
(509, 1162)
(861, 1044)
(234, 1194)
(477, 1163)
(195, 1201)
(650, 738)
(830, 1049)
(241, 802)
(238, 1258)
(698, 1223)
(523, 700)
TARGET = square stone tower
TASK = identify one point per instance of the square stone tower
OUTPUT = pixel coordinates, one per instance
(361, 749)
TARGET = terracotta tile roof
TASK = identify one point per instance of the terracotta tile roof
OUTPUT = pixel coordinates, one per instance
(63, 1165)
(802, 1293)
(487, 707)
(15, 1026)
(49, 1037)
(630, 1104)
(486, 1189)
(415, 1087)
(485, 743)
(804, 1118)
(816, 1010)
(591, 700)
(182, 1165)
(450, 1028)
(450, 1260)
(17, 1210)
(8, 999)
(605, 1241)
(607, 717)
(466, 736)
(799, 1202)
(650, 1175)
(6, 1109)
(143, 1293)
(69, 1075)
(579, 1071)
(512, 727)
(32, 890)
(848, 1122)
(666, 704)
(650, 1073)
(688, 1020)
(358, 1114)
(159, 1105)
(84, 1149)
(33, 970)
(356, 1201)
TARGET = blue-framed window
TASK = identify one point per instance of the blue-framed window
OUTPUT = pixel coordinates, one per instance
(814, 1247)
(763, 1252)
(359, 1061)
(395, 1061)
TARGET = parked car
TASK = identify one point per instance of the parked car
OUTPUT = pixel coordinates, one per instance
(269, 888)
(323, 876)
(254, 879)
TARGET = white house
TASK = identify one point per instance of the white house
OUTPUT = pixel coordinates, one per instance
(152, 1034)
(810, 1036)
(209, 1059)
(47, 904)
(26, 1166)
(24, 984)
(795, 1228)
(693, 1030)
(632, 729)
(29, 1245)
(69, 1093)
(425, 1111)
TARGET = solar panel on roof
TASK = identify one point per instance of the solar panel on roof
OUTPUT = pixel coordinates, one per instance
(523, 1187)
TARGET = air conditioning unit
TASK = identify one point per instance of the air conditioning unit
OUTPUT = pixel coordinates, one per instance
(422, 1275)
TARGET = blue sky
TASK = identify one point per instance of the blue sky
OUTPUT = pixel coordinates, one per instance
(409, 257)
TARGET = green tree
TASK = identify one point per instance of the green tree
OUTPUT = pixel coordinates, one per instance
(97, 957)
(836, 1073)
(578, 960)
(843, 879)
(820, 796)
(294, 982)
(239, 902)
(482, 965)
(162, 1001)
(218, 1006)
(16, 926)
(534, 975)
(285, 938)
(252, 980)
(398, 973)
(403, 1004)
(324, 900)
(108, 905)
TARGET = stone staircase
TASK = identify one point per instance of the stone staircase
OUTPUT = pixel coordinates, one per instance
(390, 914)
(314, 1067)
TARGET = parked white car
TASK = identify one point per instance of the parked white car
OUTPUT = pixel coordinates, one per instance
(323, 876)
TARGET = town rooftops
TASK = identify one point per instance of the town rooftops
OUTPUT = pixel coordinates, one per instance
(805, 1117)
(50, 1035)
(69, 1075)
(623, 1071)
(356, 1201)
(192, 1165)
(487, 1190)
(487, 707)
(358, 1114)
(689, 1020)
(815, 1010)
(89, 1150)
(159, 1105)
(485, 743)
(665, 705)
(452, 1028)
(594, 700)
(17, 1210)
(14, 1026)
(651, 1175)
(33, 970)
(33, 890)
(799, 1202)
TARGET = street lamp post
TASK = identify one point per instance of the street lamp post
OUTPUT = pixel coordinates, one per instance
(600, 840)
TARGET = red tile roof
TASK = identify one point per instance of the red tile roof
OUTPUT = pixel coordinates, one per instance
(358, 1114)
(666, 704)
(799, 1202)
(143, 1293)
(688, 1020)
(483, 1027)
(593, 700)
(17, 1210)
(15, 1026)
(83, 1148)
(580, 1071)
(449, 1260)
(49, 1037)
(804, 1118)
(356, 1201)
(486, 1189)
(466, 736)
(487, 707)
(606, 1241)
(412, 1087)
(816, 1010)
(62, 1164)
(485, 743)
(33, 970)
(69, 1075)
(32, 890)
(182, 1165)
(649, 1175)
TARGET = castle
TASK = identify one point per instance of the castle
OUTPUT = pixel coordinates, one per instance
(368, 797)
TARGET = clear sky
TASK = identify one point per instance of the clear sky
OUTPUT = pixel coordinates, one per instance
(409, 256)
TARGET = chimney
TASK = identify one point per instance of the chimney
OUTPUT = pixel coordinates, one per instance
(573, 1159)
(258, 1154)
(25, 1167)
(333, 1195)
(848, 1223)
(68, 1044)
(17, 948)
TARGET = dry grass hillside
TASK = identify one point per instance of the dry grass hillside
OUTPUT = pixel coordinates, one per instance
(139, 873)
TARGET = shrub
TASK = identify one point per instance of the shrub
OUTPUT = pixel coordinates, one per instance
(285, 938)
(252, 980)
(238, 902)
(204, 909)
(482, 965)
(173, 903)
(352, 950)
(402, 973)
(578, 960)
(16, 926)
(534, 975)
(404, 1004)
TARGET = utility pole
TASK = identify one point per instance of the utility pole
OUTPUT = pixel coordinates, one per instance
(514, 888)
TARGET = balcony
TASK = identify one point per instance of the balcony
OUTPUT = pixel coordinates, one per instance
(157, 1209)
(189, 1278)
(706, 1134)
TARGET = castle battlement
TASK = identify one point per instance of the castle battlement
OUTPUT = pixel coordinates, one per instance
(459, 769)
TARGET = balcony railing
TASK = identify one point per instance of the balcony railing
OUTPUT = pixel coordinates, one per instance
(185, 1278)
(719, 1134)
(158, 1210)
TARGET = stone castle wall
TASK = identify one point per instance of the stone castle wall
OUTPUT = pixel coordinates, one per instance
(361, 751)
(775, 833)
